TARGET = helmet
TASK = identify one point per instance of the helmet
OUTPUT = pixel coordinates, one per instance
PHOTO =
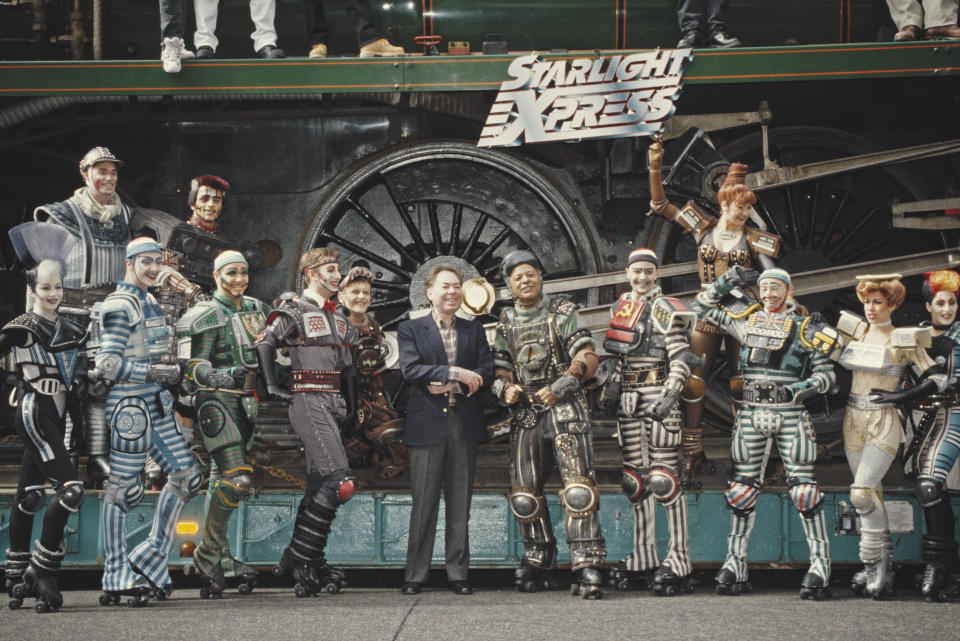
(518, 257)
(98, 154)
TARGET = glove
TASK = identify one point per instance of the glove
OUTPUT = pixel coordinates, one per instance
(926, 388)
(165, 374)
(737, 276)
(816, 317)
(783, 395)
(629, 402)
(661, 409)
(265, 358)
(564, 386)
(99, 388)
(804, 394)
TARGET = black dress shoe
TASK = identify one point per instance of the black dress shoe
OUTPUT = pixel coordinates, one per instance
(204, 53)
(270, 52)
(460, 587)
(722, 40)
(410, 588)
(690, 39)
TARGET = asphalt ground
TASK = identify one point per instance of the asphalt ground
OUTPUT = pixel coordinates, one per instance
(376, 611)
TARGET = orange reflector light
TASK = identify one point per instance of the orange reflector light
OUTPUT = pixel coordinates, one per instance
(187, 527)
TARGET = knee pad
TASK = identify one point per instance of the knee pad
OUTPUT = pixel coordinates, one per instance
(580, 497)
(631, 480)
(664, 484)
(929, 491)
(185, 483)
(31, 500)
(742, 494)
(125, 493)
(736, 387)
(235, 485)
(694, 389)
(864, 499)
(335, 488)
(805, 494)
(525, 505)
(70, 495)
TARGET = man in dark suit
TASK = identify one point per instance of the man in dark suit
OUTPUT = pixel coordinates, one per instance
(446, 360)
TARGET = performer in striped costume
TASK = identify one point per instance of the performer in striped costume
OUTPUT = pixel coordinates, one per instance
(136, 363)
(879, 355)
(47, 351)
(650, 334)
(785, 362)
(936, 443)
(216, 343)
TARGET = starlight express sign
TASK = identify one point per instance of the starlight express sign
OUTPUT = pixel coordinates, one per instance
(604, 97)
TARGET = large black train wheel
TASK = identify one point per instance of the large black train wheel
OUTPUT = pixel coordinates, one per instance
(408, 208)
(824, 223)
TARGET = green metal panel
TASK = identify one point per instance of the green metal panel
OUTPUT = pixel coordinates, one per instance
(457, 73)
(371, 529)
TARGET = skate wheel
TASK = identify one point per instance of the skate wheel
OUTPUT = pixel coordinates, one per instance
(42, 607)
(204, 593)
(821, 595)
(710, 469)
(622, 585)
(658, 590)
(300, 591)
(670, 590)
(331, 588)
(722, 589)
(14, 604)
(245, 588)
(19, 592)
(188, 569)
(160, 595)
(105, 600)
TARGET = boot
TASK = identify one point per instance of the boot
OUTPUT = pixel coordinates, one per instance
(666, 582)
(814, 587)
(939, 553)
(729, 584)
(40, 579)
(586, 583)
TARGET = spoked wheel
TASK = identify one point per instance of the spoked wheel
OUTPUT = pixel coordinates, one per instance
(408, 209)
(825, 223)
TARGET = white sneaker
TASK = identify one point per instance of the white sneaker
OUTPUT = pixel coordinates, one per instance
(186, 54)
(170, 54)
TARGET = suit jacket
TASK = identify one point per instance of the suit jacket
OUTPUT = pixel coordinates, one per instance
(423, 360)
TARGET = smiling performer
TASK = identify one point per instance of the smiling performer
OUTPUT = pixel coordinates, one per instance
(137, 364)
(879, 354)
(649, 333)
(936, 441)
(216, 343)
(542, 355)
(721, 244)
(322, 397)
(785, 362)
(47, 351)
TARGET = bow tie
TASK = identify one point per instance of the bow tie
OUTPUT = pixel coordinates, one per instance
(330, 306)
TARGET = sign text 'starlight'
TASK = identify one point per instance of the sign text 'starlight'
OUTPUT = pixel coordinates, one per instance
(602, 97)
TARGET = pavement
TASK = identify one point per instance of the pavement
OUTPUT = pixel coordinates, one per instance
(774, 611)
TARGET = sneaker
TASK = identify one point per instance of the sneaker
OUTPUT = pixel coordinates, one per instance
(381, 47)
(187, 54)
(170, 54)
(318, 51)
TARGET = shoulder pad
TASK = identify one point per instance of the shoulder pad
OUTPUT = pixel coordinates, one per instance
(851, 325)
(562, 305)
(200, 318)
(59, 212)
(763, 242)
(287, 298)
(258, 305)
(739, 303)
(819, 337)
(23, 323)
(122, 303)
(910, 337)
(692, 217)
(506, 316)
(348, 332)
(953, 333)
(668, 311)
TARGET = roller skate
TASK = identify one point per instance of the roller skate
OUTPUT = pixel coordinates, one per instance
(160, 593)
(858, 582)
(40, 580)
(667, 583)
(311, 577)
(136, 597)
(244, 574)
(728, 585)
(586, 583)
(528, 578)
(621, 579)
(17, 563)
(933, 583)
(880, 577)
(814, 587)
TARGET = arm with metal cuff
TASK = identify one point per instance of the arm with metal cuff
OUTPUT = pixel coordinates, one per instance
(931, 382)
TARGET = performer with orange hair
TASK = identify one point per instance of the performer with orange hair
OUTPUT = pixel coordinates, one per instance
(936, 441)
(721, 244)
(879, 354)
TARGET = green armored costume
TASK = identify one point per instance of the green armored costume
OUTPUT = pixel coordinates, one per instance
(216, 340)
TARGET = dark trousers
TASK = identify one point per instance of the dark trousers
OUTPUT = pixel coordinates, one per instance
(359, 11)
(704, 16)
(171, 18)
(448, 465)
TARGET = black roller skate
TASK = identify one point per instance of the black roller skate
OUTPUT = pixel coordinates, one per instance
(728, 585)
(160, 593)
(933, 583)
(621, 579)
(309, 576)
(16, 565)
(528, 578)
(814, 587)
(667, 583)
(40, 580)
(586, 583)
(136, 597)
(244, 574)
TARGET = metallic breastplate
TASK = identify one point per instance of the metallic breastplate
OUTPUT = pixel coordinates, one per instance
(712, 262)
(766, 335)
(242, 330)
(865, 357)
(152, 337)
(320, 328)
(43, 371)
(530, 347)
(369, 355)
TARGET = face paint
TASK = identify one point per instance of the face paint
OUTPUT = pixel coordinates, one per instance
(773, 294)
(146, 268)
(102, 180)
(943, 309)
(208, 205)
(642, 276)
(232, 280)
(48, 292)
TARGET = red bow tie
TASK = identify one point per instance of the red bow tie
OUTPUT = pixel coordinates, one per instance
(330, 306)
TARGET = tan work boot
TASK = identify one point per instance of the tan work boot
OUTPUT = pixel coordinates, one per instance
(381, 47)
(318, 51)
(907, 34)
